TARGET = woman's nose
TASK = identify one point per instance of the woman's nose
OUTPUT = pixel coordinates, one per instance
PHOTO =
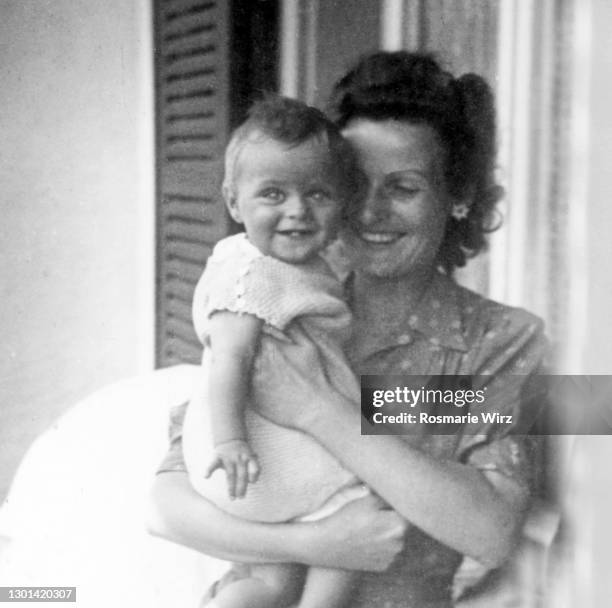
(375, 206)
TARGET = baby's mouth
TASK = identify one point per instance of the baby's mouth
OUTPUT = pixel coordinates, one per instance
(296, 233)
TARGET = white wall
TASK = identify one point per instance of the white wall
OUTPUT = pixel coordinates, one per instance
(76, 207)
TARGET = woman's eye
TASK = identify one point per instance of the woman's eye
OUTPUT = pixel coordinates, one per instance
(273, 195)
(403, 191)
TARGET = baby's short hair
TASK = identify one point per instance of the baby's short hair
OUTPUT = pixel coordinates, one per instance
(292, 122)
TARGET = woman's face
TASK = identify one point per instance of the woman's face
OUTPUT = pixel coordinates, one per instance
(400, 226)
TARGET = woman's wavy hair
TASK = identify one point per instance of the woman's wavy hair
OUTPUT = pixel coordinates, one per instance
(413, 87)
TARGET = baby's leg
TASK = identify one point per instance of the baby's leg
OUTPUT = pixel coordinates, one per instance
(269, 586)
(328, 588)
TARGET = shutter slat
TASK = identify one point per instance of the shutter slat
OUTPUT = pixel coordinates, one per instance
(172, 76)
(188, 108)
(203, 58)
(179, 230)
(190, 38)
(185, 251)
(175, 60)
(196, 146)
(199, 178)
(187, 125)
(191, 342)
(201, 88)
(177, 351)
(197, 212)
(190, 85)
(180, 11)
(195, 208)
(185, 117)
(180, 313)
(184, 269)
(201, 25)
(182, 290)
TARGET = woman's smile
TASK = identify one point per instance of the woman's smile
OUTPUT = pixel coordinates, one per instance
(378, 237)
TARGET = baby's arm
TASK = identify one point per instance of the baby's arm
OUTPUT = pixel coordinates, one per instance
(233, 343)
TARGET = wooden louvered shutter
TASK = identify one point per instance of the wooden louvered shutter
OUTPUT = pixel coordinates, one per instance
(192, 92)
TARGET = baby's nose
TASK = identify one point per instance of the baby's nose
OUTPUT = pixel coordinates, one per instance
(296, 206)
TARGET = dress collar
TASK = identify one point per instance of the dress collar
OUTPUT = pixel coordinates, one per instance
(437, 318)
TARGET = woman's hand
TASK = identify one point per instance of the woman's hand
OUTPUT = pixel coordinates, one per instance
(361, 536)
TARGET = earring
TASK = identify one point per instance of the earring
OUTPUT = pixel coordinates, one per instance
(460, 211)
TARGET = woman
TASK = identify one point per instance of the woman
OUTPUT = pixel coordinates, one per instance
(426, 143)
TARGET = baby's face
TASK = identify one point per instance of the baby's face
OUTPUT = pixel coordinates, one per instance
(288, 198)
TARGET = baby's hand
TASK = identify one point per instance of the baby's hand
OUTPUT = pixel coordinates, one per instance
(240, 464)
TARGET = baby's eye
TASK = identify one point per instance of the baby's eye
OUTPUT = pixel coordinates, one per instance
(273, 195)
(320, 196)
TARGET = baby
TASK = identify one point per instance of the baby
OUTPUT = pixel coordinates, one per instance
(289, 176)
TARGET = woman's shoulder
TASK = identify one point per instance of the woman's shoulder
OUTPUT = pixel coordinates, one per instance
(486, 314)
(501, 336)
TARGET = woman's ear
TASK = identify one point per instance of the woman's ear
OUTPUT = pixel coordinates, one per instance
(231, 202)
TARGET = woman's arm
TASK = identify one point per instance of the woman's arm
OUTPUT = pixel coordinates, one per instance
(476, 513)
(361, 536)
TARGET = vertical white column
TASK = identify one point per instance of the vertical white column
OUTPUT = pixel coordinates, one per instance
(578, 187)
(498, 258)
(298, 56)
(392, 25)
(289, 48)
(508, 250)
